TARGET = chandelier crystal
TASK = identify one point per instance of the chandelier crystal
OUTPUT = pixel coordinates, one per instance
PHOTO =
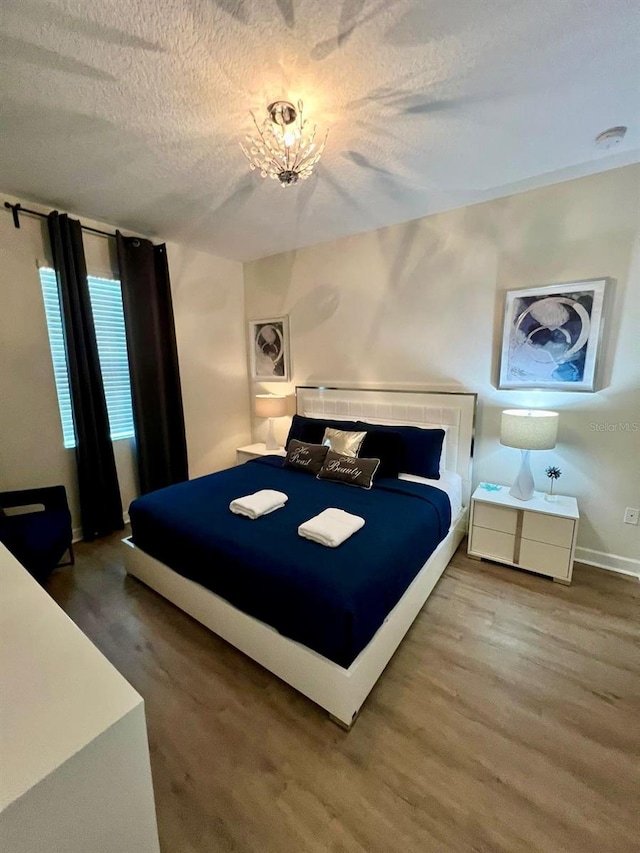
(285, 147)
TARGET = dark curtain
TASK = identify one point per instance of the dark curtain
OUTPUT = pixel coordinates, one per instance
(100, 503)
(153, 363)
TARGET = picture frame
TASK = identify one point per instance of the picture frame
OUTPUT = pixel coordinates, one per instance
(269, 349)
(551, 336)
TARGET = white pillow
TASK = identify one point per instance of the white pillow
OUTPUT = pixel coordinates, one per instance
(449, 482)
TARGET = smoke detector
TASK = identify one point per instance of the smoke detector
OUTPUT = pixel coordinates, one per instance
(611, 137)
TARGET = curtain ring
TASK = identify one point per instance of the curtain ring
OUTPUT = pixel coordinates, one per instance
(136, 243)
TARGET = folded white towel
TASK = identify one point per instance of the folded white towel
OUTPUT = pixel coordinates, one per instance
(259, 503)
(331, 527)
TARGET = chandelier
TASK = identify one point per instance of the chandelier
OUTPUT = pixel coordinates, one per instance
(284, 148)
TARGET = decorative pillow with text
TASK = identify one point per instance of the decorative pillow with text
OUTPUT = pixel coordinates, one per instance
(349, 469)
(306, 457)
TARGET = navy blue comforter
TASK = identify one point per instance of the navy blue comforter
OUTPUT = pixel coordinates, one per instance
(331, 600)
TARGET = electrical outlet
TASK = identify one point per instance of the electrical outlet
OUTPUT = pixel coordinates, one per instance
(631, 515)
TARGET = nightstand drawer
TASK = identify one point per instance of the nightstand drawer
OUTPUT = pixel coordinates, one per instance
(499, 518)
(545, 559)
(492, 543)
(536, 535)
(548, 529)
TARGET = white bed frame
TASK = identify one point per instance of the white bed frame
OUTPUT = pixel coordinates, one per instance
(340, 691)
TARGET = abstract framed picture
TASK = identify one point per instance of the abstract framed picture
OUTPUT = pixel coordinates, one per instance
(551, 336)
(269, 349)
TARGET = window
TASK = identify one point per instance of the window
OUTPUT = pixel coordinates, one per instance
(108, 319)
(58, 354)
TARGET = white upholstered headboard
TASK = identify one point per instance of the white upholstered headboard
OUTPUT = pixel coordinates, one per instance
(454, 412)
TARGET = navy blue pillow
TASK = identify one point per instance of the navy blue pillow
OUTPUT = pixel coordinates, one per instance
(311, 430)
(422, 448)
(388, 447)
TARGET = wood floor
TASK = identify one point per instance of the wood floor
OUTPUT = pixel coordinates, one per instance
(507, 722)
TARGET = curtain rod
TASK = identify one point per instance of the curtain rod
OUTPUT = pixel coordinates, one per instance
(17, 209)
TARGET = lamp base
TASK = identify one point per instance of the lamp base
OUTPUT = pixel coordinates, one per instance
(523, 485)
(271, 443)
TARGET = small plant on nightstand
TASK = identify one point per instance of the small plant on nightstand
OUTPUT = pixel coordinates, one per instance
(553, 473)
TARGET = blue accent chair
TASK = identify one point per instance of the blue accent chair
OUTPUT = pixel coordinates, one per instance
(37, 539)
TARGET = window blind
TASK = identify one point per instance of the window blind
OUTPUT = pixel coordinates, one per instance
(108, 319)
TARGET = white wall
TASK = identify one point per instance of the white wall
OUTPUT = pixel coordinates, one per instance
(422, 303)
(209, 317)
(208, 303)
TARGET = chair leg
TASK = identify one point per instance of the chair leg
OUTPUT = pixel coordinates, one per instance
(72, 558)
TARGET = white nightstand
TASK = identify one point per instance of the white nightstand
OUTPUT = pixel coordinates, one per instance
(536, 535)
(252, 451)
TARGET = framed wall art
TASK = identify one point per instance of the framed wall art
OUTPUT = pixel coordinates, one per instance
(269, 349)
(551, 336)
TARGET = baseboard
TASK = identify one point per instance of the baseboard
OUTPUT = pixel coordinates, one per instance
(76, 533)
(610, 562)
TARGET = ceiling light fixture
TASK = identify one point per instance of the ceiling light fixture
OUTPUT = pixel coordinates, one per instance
(284, 149)
(612, 136)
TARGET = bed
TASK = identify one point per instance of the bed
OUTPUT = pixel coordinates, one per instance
(327, 621)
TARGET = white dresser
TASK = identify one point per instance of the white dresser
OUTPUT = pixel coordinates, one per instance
(75, 775)
(537, 535)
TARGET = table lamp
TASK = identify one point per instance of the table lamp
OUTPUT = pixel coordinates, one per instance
(271, 406)
(527, 430)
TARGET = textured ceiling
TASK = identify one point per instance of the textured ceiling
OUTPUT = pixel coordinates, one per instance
(131, 112)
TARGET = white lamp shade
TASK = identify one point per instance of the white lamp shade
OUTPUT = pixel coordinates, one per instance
(270, 406)
(529, 429)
